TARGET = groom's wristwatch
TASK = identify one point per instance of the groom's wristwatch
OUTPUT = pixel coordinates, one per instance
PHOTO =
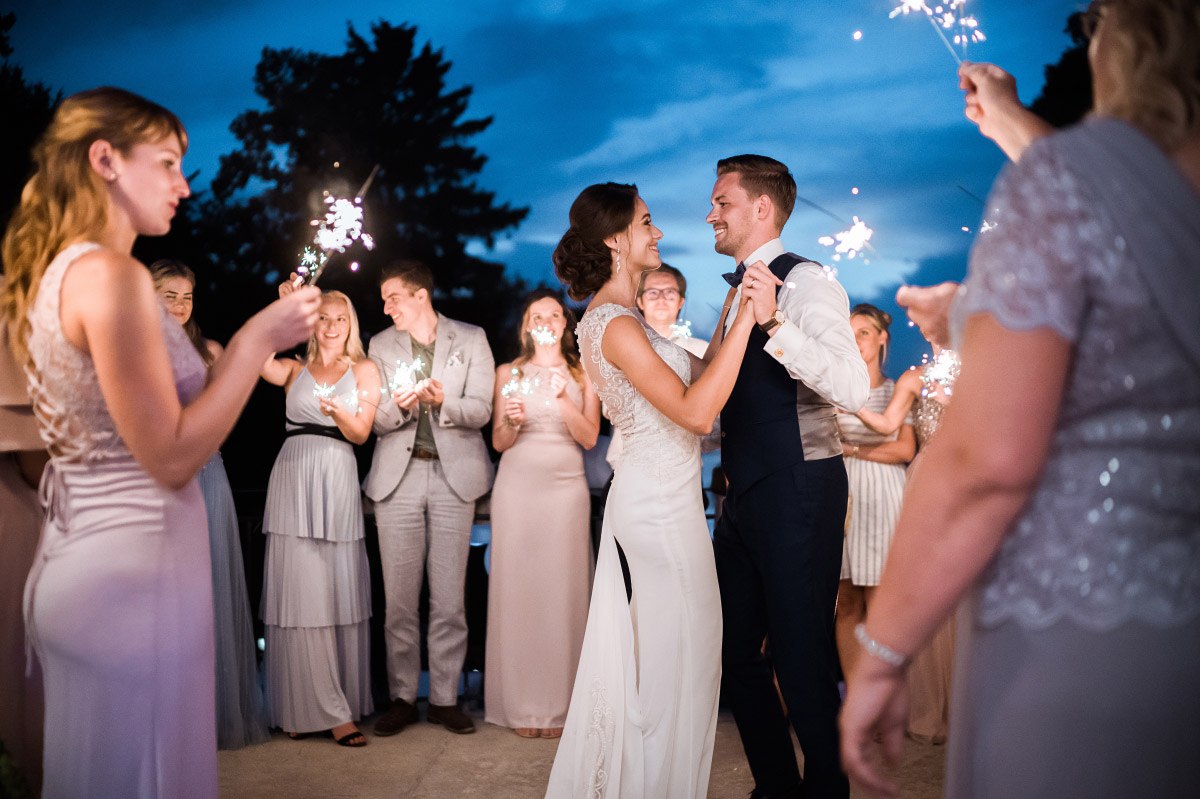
(775, 321)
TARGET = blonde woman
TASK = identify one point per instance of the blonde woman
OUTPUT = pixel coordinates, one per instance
(316, 583)
(119, 601)
(545, 413)
(241, 719)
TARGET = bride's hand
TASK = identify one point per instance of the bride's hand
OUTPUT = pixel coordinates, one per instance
(745, 314)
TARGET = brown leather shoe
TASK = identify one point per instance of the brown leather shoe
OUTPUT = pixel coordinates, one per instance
(450, 717)
(398, 716)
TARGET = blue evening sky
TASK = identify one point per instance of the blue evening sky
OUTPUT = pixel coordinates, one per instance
(651, 92)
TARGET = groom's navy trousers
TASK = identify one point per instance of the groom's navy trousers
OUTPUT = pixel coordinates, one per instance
(778, 551)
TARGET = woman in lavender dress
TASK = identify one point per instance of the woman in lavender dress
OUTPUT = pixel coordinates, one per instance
(118, 604)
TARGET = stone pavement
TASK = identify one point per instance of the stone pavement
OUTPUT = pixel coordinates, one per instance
(426, 762)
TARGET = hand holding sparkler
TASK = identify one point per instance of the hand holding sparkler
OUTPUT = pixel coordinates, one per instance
(993, 105)
(558, 383)
(929, 308)
(287, 321)
(514, 410)
(405, 398)
(429, 391)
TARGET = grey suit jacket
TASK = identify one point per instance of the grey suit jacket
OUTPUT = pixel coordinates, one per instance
(463, 362)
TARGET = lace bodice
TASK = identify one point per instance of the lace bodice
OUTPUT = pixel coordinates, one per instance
(541, 408)
(72, 415)
(649, 438)
(1112, 532)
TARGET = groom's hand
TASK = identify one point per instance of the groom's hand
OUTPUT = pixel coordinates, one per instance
(758, 285)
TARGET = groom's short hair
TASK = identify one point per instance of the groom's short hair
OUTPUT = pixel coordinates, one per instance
(412, 273)
(761, 175)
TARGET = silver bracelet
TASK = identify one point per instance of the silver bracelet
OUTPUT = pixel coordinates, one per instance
(878, 650)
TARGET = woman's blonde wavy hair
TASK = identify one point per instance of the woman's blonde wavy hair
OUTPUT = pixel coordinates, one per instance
(352, 350)
(1154, 68)
(66, 200)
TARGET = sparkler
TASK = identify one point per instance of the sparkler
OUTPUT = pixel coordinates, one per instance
(941, 372)
(326, 391)
(681, 329)
(523, 385)
(341, 226)
(543, 335)
(944, 16)
(405, 376)
(848, 242)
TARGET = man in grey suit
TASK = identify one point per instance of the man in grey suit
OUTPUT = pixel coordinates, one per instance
(429, 467)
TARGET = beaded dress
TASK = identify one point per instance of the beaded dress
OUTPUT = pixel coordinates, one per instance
(1077, 669)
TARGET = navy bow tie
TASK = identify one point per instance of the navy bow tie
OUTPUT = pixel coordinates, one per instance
(735, 278)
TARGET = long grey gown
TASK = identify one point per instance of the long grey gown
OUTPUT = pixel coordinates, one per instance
(316, 585)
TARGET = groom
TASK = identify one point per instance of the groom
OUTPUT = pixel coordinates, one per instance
(779, 539)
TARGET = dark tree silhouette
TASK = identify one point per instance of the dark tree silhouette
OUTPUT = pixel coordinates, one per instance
(27, 108)
(1067, 94)
(329, 119)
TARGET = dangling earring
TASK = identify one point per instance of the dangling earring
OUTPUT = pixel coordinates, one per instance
(618, 262)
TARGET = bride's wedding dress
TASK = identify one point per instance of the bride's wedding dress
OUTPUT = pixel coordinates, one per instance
(643, 710)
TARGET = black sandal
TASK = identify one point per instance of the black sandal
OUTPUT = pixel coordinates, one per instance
(348, 739)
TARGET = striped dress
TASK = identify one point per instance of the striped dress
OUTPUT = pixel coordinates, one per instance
(875, 493)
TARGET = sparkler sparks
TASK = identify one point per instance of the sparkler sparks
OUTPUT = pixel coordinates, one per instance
(848, 242)
(523, 385)
(944, 16)
(543, 335)
(940, 374)
(681, 329)
(341, 226)
(326, 391)
(405, 376)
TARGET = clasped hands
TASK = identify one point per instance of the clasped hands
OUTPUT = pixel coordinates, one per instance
(758, 289)
(428, 391)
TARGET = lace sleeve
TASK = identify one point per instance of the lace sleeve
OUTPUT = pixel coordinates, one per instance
(1030, 269)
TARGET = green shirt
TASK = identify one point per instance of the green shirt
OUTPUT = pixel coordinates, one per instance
(424, 438)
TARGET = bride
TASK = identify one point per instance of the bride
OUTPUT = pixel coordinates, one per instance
(643, 710)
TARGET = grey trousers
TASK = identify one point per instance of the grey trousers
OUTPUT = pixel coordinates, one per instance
(424, 529)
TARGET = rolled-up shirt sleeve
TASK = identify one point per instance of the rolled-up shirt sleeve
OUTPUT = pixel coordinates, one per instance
(816, 344)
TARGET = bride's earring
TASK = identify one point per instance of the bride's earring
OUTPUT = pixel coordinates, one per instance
(618, 262)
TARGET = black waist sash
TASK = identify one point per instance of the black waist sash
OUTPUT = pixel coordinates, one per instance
(310, 429)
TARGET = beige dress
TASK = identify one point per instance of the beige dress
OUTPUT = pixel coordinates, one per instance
(541, 566)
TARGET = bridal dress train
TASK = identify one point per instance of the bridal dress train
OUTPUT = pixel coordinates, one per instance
(643, 709)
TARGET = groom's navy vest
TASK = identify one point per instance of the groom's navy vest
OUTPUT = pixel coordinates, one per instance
(771, 417)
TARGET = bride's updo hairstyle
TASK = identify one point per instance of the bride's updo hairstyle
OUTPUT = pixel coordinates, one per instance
(582, 261)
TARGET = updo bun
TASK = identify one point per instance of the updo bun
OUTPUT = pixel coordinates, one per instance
(582, 261)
